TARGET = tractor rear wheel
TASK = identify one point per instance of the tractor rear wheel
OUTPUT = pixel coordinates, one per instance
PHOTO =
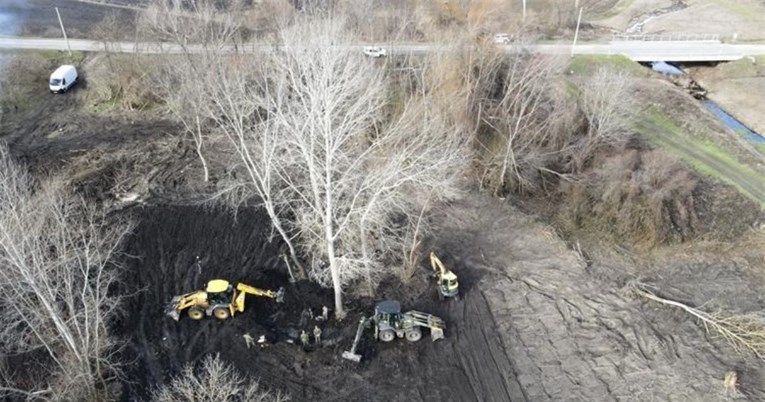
(387, 335)
(196, 313)
(221, 313)
(413, 335)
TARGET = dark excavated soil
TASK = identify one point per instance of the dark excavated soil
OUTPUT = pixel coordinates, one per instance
(470, 364)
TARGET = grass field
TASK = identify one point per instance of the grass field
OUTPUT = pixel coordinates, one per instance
(703, 155)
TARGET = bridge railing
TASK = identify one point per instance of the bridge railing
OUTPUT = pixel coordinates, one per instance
(674, 37)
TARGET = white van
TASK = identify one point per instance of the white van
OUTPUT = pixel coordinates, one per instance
(63, 78)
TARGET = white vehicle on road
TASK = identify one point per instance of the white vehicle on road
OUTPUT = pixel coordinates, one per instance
(374, 51)
(501, 39)
(62, 79)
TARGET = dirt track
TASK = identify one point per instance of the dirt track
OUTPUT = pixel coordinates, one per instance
(570, 332)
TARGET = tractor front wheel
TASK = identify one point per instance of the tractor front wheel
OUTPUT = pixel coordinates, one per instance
(387, 335)
(221, 313)
(196, 313)
(413, 335)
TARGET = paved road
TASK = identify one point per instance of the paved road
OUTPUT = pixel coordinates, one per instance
(637, 51)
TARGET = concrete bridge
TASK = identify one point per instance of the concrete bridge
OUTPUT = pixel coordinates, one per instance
(674, 51)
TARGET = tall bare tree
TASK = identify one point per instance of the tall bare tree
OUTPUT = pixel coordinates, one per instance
(350, 165)
(334, 171)
(57, 273)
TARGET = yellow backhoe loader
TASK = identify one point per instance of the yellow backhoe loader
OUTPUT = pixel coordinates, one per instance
(219, 299)
(446, 280)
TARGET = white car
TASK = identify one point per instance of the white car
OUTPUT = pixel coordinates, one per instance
(501, 39)
(374, 51)
(62, 79)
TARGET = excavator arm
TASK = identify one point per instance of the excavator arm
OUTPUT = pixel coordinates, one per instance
(437, 265)
(447, 280)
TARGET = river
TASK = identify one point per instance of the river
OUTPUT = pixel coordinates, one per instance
(731, 122)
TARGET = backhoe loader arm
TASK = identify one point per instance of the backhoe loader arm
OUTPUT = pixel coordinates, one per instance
(278, 295)
(243, 289)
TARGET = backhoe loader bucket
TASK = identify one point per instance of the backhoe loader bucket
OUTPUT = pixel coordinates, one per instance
(280, 295)
(436, 333)
(351, 354)
(348, 355)
(171, 310)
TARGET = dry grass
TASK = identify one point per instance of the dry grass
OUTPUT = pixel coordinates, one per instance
(646, 198)
(120, 82)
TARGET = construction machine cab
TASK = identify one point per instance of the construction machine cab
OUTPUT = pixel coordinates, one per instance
(219, 291)
(388, 312)
(449, 281)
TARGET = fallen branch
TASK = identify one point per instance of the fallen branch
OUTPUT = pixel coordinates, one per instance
(741, 331)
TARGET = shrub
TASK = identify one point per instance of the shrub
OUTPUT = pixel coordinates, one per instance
(214, 381)
(646, 197)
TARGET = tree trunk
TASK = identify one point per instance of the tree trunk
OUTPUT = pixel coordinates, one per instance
(365, 256)
(329, 234)
(277, 224)
(198, 141)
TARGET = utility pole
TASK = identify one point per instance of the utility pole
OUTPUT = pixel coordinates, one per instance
(576, 33)
(69, 48)
(524, 10)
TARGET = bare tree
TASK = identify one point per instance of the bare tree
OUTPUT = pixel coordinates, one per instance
(350, 170)
(519, 102)
(608, 104)
(214, 381)
(56, 253)
(333, 172)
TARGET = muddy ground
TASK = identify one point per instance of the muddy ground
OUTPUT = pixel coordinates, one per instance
(538, 319)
